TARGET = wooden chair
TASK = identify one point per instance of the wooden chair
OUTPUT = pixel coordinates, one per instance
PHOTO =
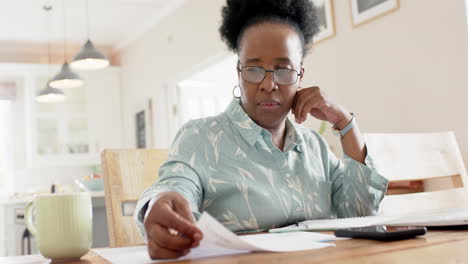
(127, 173)
(433, 158)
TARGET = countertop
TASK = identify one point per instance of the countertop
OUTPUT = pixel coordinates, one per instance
(25, 198)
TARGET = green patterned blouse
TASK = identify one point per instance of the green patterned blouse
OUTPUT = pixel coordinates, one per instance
(228, 166)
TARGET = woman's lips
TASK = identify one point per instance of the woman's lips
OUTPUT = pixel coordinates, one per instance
(269, 104)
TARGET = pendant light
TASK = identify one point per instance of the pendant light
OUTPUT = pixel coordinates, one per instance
(89, 58)
(49, 94)
(66, 78)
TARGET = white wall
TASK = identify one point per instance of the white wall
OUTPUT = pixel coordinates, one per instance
(405, 72)
(466, 11)
(152, 65)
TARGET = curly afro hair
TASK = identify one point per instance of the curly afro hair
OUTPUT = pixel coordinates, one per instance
(238, 15)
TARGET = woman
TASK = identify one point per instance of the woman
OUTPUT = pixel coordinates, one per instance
(251, 167)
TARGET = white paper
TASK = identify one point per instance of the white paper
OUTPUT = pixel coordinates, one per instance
(286, 242)
(441, 218)
(219, 241)
(215, 233)
(139, 255)
(26, 259)
(333, 224)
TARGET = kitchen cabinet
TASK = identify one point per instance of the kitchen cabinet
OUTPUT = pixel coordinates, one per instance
(70, 133)
(61, 130)
(74, 132)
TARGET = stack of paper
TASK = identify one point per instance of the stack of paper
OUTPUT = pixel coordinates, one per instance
(449, 217)
(218, 240)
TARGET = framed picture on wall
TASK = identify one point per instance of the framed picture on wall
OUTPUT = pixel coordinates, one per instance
(364, 11)
(144, 125)
(326, 20)
(140, 125)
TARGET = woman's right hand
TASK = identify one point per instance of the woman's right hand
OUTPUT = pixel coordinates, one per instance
(170, 227)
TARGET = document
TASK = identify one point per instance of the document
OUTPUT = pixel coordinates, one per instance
(448, 217)
(333, 224)
(219, 241)
(139, 255)
(214, 233)
(451, 217)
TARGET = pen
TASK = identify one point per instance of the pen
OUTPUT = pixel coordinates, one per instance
(300, 224)
(291, 228)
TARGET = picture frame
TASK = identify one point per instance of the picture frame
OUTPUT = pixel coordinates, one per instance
(365, 11)
(326, 20)
(143, 114)
(140, 133)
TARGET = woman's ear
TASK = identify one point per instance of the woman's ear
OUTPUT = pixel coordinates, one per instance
(302, 74)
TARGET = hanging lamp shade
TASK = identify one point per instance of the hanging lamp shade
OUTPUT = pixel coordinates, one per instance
(89, 58)
(50, 95)
(66, 78)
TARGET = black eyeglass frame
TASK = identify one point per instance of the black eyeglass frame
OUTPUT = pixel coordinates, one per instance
(240, 68)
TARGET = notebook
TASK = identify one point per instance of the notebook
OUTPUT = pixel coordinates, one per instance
(452, 217)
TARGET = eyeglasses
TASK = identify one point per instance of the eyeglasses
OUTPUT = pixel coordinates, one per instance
(254, 74)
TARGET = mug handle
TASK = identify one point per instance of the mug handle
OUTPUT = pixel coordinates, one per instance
(28, 218)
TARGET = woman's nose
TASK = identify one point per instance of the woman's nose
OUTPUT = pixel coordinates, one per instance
(268, 84)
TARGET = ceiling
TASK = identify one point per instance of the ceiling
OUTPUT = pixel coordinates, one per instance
(113, 23)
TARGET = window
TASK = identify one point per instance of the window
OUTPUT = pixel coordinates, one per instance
(6, 147)
(207, 92)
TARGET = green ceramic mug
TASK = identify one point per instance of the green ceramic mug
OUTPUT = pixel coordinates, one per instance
(62, 225)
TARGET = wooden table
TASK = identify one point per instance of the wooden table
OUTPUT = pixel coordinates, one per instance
(438, 246)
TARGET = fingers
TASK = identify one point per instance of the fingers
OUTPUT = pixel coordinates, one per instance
(183, 209)
(299, 106)
(157, 251)
(313, 103)
(164, 238)
(170, 227)
(172, 211)
(306, 101)
(305, 106)
(168, 218)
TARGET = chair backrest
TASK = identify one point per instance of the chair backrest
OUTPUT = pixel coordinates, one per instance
(127, 173)
(433, 158)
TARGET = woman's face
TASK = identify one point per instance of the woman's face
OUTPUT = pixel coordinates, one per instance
(270, 46)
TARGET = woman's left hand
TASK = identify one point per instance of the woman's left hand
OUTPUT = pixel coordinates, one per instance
(314, 101)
